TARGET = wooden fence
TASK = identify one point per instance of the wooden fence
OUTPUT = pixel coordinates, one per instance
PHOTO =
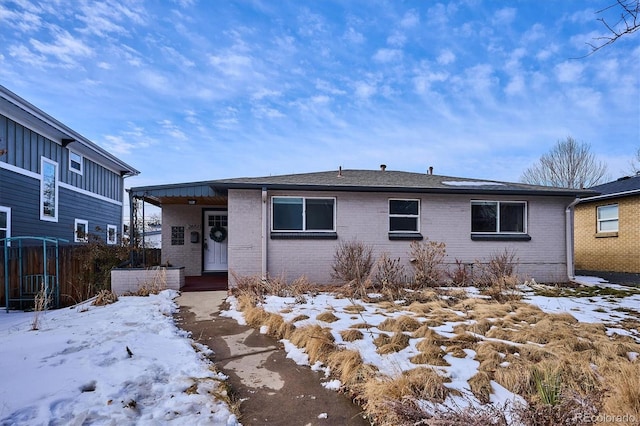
(82, 270)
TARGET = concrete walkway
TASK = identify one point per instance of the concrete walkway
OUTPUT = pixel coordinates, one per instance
(273, 389)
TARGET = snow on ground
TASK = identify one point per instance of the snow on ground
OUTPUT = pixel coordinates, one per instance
(125, 363)
(603, 309)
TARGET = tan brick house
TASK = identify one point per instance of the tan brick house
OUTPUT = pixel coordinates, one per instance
(291, 225)
(607, 228)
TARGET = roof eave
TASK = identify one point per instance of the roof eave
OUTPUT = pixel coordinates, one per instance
(358, 188)
(124, 169)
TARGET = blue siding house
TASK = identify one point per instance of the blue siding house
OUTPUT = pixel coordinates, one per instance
(53, 181)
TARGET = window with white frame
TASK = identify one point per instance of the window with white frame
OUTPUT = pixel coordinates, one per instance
(5, 223)
(48, 190)
(112, 234)
(499, 217)
(75, 162)
(404, 215)
(608, 218)
(303, 214)
(81, 231)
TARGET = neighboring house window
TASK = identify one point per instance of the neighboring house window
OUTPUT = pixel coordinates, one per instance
(404, 215)
(112, 234)
(81, 234)
(303, 214)
(502, 217)
(177, 235)
(5, 223)
(75, 162)
(608, 218)
(49, 190)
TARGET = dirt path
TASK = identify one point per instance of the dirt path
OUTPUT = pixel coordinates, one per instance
(273, 389)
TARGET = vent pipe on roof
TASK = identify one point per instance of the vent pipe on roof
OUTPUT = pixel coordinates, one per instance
(430, 170)
(340, 171)
(383, 167)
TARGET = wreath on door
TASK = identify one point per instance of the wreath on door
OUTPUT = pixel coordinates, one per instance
(218, 234)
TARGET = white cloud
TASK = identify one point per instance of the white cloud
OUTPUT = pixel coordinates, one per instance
(547, 52)
(364, 90)
(104, 65)
(353, 36)
(64, 47)
(327, 87)
(263, 93)
(504, 16)
(387, 55)
(569, 72)
(516, 85)
(446, 57)
(396, 39)
(172, 130)
(23, 21)
(117, 145)
(410, 19)
(234, 65)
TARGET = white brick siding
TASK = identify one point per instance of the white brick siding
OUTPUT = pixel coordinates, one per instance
(364, 217)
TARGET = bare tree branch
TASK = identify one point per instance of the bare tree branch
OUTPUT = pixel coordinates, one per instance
(627, 23)
(568, 165)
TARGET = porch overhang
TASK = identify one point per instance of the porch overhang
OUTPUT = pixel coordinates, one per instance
(197, 193)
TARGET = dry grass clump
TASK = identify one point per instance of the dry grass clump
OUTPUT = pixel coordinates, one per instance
(623, 393)
(278, 327)
(388, 324)
(430, 353)
(423, 308)
(428, 334)
(400, 324)
(327, 316)
(481, 386)
(255, 316)
(386, 400)
(351, 335)
(105, 297)
(317, 341)
(349, 368)
(354, 309)
(395, 343)
(300, 318)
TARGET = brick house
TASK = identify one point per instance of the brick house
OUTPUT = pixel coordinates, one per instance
(607, 228)
(290, 225)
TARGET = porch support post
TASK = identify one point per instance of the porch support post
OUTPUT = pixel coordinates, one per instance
(265, 233)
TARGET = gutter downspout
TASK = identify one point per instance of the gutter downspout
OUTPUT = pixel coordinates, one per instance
(569, 238)
(265, 231)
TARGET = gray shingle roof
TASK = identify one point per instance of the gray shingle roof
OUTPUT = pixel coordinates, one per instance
(393, 181)
(624, 184)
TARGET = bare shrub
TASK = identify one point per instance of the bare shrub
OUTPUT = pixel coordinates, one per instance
(352, 263)
(389, 276)
(105, 297)
(427, 259)
(498, 277)
(41, 302)
(153, 285)
(459, 274)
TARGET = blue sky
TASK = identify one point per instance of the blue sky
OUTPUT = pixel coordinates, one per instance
(196, 90)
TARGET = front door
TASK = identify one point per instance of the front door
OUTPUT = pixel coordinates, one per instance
(215, 241)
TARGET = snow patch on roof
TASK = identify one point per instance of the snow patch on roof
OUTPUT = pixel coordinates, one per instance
(471, 183)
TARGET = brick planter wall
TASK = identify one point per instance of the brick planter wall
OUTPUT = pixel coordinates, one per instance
(130, 280)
